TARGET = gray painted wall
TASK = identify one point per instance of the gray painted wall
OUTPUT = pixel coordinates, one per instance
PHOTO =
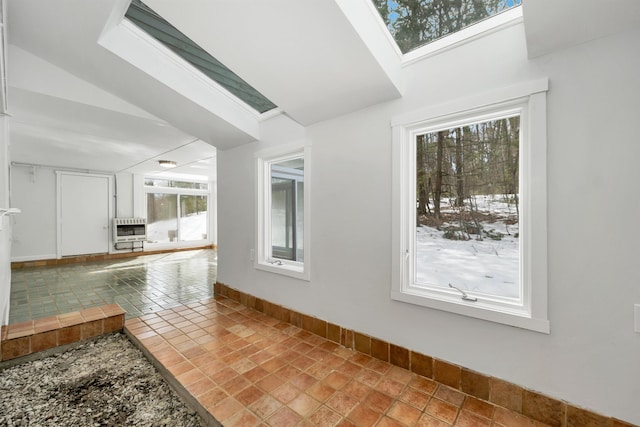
(592, 211)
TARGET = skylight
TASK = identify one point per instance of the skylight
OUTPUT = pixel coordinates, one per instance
(158, 28)
(415, 23)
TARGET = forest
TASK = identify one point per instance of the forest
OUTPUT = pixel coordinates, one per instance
(467, 190)
(467, 177)
(414, 23)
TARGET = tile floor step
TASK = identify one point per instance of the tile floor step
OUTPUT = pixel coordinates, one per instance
(33, 336)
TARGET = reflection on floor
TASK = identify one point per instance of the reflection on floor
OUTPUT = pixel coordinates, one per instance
(140, 285)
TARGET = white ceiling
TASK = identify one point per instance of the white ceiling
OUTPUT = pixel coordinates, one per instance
(60, 120)
(87, 91)
(305, 56)
(76, 105)
(552, 25)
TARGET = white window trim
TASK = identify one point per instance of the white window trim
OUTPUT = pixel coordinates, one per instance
(263, 260)
(530, 100)
(111, 39)
(483, 28)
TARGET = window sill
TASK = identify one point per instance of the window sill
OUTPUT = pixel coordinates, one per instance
(286, 269)
(476, 310)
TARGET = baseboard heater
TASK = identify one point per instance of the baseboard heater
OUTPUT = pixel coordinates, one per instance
(129, 230)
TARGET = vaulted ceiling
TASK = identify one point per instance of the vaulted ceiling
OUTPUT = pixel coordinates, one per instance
(88, 90)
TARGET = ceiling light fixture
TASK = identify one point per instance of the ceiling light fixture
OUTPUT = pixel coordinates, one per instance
(167, 163)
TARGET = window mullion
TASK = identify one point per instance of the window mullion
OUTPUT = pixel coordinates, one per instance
(178, 237)
(294, 231)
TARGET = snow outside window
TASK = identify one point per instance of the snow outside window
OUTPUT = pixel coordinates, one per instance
(177, 212)
(282, 214)
(470, 189)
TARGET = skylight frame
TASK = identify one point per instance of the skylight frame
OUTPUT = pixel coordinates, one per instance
(204, 72)
(506, 18)
(472, 32)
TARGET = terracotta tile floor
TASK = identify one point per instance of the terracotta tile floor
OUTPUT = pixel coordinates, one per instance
(248, 369)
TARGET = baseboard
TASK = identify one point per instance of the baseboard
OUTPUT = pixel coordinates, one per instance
(51, 260)
(32, 258)
(532, 404)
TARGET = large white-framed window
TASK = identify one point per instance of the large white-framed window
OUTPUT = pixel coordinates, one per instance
(282, 215)
(177, 212)
(469, 207)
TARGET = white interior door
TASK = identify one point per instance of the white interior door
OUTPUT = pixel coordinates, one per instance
(83, 214)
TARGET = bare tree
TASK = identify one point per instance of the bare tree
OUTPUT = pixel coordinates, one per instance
(437, 191)
(422, 179)
(459, 169)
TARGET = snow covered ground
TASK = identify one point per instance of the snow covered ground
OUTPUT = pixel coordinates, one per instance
(192, 227)
(481, 266)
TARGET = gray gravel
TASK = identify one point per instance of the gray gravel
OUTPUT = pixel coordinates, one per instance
(106, 381)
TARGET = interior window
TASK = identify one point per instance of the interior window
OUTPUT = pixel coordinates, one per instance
(282, 236)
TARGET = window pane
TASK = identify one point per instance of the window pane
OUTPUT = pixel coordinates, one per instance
(287, 213)
(168, 183)
(281, 218)
(300, 221)
(162, 217)
(416, 23)
(467, 191)
(193, 218)
(161, 30)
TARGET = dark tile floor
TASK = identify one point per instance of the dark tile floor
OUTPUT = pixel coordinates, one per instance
(140, 285)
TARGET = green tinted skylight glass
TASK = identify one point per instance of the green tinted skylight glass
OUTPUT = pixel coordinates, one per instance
(414, 23)
(158, 28)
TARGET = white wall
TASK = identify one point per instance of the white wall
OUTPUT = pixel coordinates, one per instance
(33, 190)
(124, 195)
(6, 223)
(591, 356)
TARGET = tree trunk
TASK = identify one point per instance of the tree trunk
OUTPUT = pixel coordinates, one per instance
(437, 191)
(514, 126)
(421, 178)
(459, 169)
